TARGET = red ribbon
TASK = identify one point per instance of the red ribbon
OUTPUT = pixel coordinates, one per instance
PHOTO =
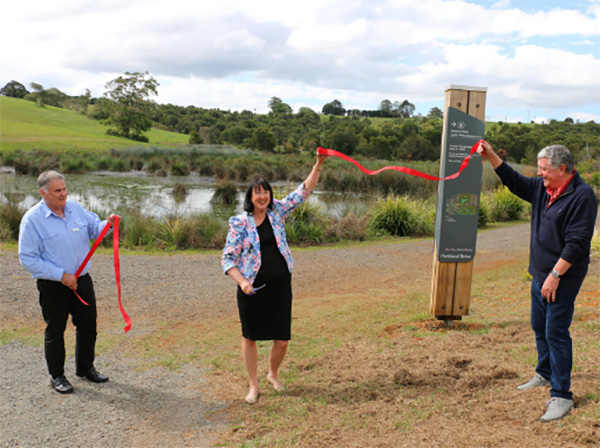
(402, 169)
(115, 262)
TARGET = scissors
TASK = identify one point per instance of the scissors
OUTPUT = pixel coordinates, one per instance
(257, 288)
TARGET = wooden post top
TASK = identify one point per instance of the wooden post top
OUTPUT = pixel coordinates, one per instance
(469, 88)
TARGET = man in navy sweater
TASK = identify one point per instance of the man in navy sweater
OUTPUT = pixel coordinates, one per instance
(563, 216)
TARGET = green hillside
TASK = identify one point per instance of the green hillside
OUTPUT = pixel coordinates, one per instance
(24, 126)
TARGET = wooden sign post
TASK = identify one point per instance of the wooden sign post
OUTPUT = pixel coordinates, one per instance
(458, 203)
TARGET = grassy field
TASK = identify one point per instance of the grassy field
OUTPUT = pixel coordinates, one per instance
(24, 126)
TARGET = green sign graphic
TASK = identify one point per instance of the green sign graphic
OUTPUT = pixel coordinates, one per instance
(458, 199)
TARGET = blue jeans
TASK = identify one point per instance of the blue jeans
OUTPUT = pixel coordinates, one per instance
(551, 321)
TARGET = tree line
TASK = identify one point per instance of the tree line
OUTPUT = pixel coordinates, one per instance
(391, 132)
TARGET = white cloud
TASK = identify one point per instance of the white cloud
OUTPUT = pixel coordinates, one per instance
(237, 55)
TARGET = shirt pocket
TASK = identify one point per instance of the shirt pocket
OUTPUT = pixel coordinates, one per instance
(53, 243)
(80, 232)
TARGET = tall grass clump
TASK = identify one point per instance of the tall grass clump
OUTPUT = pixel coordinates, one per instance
(180, 168)
(138, 230)
(202, 231)
(10, 219)
(505, 206)
(225, 194)
(307, 224)
(75, 164)
(402, 216)
(180, 191)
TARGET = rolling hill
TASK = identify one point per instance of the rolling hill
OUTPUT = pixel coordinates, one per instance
(24, 126)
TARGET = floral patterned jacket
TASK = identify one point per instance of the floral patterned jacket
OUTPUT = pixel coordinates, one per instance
(242, 248)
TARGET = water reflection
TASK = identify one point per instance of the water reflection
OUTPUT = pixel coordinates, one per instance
(153, 196)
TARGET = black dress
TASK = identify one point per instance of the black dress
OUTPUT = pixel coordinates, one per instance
(267, 314)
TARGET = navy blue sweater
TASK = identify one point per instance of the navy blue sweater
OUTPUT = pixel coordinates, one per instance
(563, 230)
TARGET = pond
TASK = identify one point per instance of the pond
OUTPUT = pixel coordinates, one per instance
(105, 192)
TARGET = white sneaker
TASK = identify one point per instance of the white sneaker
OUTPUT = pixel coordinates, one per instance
(556, 408)
(537, 381)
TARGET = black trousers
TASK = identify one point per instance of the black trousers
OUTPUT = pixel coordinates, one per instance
(57, 302)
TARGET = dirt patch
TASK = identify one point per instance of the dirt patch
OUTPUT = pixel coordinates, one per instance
(367, 366)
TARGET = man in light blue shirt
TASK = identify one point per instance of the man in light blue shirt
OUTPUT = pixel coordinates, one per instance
(54, 238)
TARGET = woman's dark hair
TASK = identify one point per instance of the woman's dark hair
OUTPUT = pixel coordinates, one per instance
(257, 182)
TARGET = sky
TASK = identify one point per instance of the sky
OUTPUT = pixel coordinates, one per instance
(538, 60)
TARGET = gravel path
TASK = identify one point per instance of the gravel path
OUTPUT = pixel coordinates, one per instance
(158, 407)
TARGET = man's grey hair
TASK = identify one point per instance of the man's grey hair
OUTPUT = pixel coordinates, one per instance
(558, 155)
(48, 176)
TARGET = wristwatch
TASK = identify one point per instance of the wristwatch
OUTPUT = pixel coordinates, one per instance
(555, 274)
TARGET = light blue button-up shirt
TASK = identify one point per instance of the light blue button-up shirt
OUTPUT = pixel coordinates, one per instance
(50, 245)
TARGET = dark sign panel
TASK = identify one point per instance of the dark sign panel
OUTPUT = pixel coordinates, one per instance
(458, 199)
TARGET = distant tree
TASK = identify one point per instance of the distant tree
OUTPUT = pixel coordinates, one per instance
(130, 110)
(435, 112)
(380, 147)
(14, 89)
(307, 117)
(278, 107)
(406, 109)
(416, 147)
(39, 96)
(54, 97)
(263, 139)
(78, 103)
(343, 139)
(236, 134)
(334, 108)
(195, 137)
(386, 107)
(84, 101)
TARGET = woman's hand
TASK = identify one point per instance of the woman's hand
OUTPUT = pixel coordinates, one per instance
(311, 181)
(320, 160)
(246, 287)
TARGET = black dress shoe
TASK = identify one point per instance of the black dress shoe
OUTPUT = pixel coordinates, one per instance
(61, 384)
(94, 376)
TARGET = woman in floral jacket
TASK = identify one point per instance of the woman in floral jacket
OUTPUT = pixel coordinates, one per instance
(257, 257)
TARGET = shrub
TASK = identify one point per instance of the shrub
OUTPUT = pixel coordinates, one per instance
(402, 216)
(484, 213)
(350, 227)
(505, 206)
(180, 168)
